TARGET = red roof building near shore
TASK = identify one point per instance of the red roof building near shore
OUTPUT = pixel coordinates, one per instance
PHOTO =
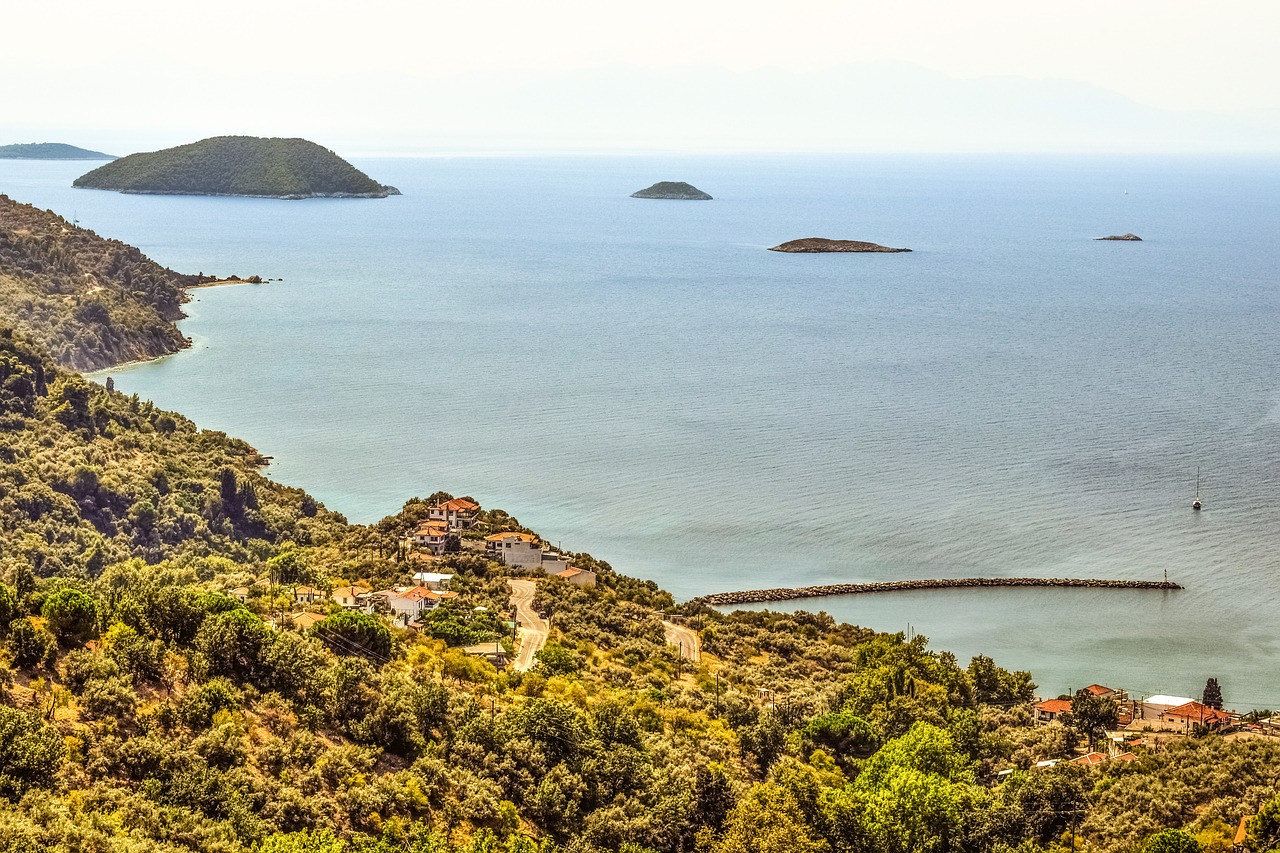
(1090, 759)
(1100, 690)
(1197, 713)
(1048, 710)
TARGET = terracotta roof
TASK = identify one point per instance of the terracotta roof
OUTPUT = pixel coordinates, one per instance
(1090, 759)
(306, 620)
(241, 590)
(1243, 832)
(306, 590)
(458, 505)
(1099, 690)
(1126, 756)
(352, 591)
(1197, 712)
(570, 573)
(429, 528)
(511, 534)
(1053, 706)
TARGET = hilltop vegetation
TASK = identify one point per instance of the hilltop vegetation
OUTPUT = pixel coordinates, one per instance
(49, 151)
(149, 705)
(144, 709)
(88, 301)
(237, 165)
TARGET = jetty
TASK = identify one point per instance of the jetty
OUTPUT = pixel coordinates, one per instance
(756, 596)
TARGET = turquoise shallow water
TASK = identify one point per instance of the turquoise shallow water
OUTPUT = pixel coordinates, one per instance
(643, 380)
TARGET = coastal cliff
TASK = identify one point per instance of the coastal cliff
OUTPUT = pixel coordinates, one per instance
(91, 302)
(238, 166)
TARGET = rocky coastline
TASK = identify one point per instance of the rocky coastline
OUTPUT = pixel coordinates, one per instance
(757, 596)
(1124, 238)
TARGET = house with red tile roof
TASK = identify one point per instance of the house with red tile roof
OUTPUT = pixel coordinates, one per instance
(458, 513)
(430, 535)
(514, 549)
(1093, 758)
(1196, 714)
(1049, 710)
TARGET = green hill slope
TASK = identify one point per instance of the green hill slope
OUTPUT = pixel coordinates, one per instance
(50, 151)
(89, 301)
(238, 165)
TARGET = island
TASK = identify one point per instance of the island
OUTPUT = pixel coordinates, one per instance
(674, 190)
(238, 166)
(822, 244)
(1126, 238)
(50, 151)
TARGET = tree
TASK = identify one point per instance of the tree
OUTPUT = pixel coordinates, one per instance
(30, 755)
(1172, 841)
(354, 633)
(768, 820)
(70, 614)
(231, 643)
(1213, 694)
(1264, 828)
(1091, 715)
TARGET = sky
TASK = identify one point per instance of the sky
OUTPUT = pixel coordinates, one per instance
(394, 76)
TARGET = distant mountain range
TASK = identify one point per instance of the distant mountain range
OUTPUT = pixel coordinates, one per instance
(238, 165)
(50, 151)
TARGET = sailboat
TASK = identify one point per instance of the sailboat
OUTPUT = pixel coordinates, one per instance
(1195, 504)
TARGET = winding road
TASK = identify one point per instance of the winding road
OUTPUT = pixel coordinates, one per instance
(532, 632)
(684, 639)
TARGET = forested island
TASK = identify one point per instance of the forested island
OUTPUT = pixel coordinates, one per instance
(156, 696)
(49, 151)
(813, 245)
(673, 190)
(239, 166)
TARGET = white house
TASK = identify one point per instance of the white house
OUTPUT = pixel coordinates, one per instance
(307, 594)
(554, 564)
(433, 580)
(430, 535)
(515, 549)
(458, 514)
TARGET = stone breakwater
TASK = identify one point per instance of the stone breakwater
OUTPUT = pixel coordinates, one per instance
(756, 596)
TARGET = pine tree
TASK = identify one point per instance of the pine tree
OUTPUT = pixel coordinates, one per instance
(1213, 694)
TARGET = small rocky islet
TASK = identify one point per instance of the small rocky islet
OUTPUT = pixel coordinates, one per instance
(813, 245)
(673, 190)
(1124, 238)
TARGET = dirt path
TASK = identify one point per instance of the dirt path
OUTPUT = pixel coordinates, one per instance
(532, 633)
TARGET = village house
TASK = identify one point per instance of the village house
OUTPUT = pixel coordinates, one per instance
(240, 593)
(408, 604)
(555, 563)
(577, 577)
(458, 514)
(307, 594)
(350, 597)
(430, 535)
(304, 621)
(1193, 714)
(515, 549)
(433, 580)
(1050, 710)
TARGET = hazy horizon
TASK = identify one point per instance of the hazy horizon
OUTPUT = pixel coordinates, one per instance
(569, 76)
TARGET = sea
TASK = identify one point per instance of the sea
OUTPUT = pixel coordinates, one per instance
(644, 381)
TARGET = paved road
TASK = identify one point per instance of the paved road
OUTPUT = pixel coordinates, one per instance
(532, 634)
(685, 639)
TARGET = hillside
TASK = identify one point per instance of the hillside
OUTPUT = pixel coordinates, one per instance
(153, 700)
(238, 165)
(89, 301)
(49, 151)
